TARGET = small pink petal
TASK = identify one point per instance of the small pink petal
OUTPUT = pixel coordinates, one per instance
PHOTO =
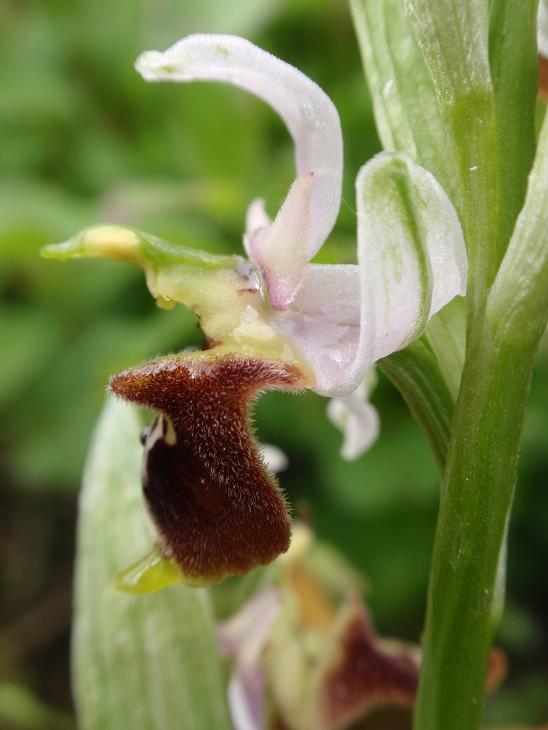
(246, 699)
(543, 28)
(412, 261)
(275, 459)
(323, 322)
(243, 638)
(359, 421)
(281, 249)
(412, 258)
(255, 219)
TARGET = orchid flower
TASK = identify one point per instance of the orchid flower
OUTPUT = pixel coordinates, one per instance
(275, 320)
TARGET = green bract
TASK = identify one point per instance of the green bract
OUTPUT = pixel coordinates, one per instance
(143, 662)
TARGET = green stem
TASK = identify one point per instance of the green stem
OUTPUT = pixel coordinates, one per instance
(475, 503)
(464, 602)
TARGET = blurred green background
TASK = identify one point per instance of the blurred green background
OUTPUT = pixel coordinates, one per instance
(84, 140)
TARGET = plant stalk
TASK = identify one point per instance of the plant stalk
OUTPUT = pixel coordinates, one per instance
(476, 499)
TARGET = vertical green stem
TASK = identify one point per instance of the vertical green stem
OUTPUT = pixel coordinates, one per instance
(475, 503)
(478, 486)
(479, 477)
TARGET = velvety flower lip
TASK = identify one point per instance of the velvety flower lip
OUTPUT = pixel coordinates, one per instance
(364, 671)
(217, 508)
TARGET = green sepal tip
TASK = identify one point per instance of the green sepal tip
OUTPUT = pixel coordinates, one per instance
(150, 574)
(129, 244)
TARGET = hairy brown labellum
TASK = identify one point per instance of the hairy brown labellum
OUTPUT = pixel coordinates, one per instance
(217, 509)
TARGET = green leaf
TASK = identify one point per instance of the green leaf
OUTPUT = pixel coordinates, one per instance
(148, 662)
(453, 38)
(410, 248)
(409, 120)
(404, 99)
(452, 35)
(21, 710)
(416, 374)
(446, 336)
(427, 373)
(514, 69)
(517, 307)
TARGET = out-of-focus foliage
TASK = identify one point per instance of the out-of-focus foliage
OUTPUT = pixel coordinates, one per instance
(84, 140)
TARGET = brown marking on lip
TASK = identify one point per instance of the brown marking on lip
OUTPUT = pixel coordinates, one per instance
(208, 343)
(218, 510)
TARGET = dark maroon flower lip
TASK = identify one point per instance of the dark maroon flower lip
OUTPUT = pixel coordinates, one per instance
(365, 672)
(217, 509)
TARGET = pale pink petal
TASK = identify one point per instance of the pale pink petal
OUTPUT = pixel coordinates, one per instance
(323, 322)
(307, 111)
(411, 254)
(243, 638)
(275, 459)
(412, 261)
(246, 699)
(280, 250)
(359, 421)
(543, 28)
